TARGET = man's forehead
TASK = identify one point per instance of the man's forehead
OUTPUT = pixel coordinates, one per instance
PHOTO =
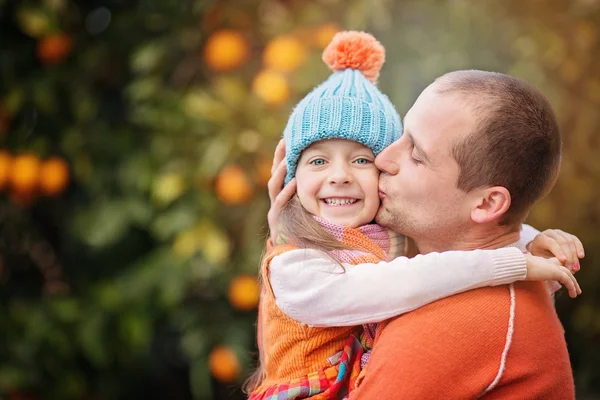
(437, 118)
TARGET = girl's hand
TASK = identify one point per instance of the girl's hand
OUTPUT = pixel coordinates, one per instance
(551, 269)
(278, 194)
(565, 247)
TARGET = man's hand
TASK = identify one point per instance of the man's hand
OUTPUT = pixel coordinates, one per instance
(278, 194)
(567, 248)
(551, 269)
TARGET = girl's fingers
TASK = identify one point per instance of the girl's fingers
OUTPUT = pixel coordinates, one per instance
(569, 281)
(554, 247)
(277, 206)
(570, 239)
(573, 243)
(565, 246)
(576, 287)
(275, 183)
(286, 194)
(579, 246)
(278, 156)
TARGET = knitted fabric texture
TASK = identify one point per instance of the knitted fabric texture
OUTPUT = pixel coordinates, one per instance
(347, 105)
(372, 242)
(335, 382)
(456, 348)
(288, 349)
(384, 240)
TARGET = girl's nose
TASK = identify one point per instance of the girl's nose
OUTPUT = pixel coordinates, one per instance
(340, 174)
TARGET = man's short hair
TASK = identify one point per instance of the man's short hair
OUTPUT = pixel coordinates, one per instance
(516, 143)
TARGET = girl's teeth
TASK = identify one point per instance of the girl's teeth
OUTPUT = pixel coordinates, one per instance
(339, 202)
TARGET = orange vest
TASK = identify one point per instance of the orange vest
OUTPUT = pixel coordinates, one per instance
(289, 349)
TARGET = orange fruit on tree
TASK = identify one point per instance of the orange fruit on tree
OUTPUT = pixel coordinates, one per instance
(54, 176)
(226, 50)
(6, 161)
(271, 87)
(223, 364)
(54, 48)
(25, 173)
(324, 34)
(284, 53)
(244, 292)
(233, 185)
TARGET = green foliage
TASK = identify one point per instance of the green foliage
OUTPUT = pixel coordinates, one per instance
(118, 288)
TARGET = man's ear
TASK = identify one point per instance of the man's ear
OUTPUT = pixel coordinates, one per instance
(490, 204)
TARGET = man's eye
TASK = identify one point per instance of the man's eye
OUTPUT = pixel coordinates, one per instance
(415, 161)
(318, 161)
(362, 161)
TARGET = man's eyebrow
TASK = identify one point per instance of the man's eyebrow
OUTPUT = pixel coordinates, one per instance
(418, 147)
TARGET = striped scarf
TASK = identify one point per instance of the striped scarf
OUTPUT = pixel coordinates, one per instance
(390, 246)
(367, 244)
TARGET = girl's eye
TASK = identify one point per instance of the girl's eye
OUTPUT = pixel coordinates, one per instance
(318, 161)
(362, 161)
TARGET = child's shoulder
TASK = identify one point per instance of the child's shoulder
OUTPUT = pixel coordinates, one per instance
(291, 252)
(282, 248)
(281, 252)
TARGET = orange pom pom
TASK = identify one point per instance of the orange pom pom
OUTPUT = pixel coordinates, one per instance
(355, 50)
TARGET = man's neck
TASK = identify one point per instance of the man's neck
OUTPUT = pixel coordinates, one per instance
(477, 239)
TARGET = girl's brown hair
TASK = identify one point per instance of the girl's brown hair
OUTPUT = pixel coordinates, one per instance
(300, 228)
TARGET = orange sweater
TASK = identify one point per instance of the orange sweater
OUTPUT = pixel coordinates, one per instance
(471, 345)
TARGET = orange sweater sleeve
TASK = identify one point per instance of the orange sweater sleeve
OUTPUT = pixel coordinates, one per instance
(453, 349)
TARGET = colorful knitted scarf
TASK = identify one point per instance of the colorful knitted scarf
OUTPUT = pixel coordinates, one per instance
(366, 244)
(390, 245)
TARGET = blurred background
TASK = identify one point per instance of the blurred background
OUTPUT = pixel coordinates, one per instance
(136, 139)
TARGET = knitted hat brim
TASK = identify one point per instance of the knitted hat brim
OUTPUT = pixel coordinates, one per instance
(340, 117)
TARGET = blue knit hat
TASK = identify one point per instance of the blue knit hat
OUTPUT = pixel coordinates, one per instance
(348, 105)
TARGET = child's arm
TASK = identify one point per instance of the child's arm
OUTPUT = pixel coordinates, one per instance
(552, 243)
(567, 248)
(315, 290)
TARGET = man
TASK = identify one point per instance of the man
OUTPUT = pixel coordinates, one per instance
(478, 149)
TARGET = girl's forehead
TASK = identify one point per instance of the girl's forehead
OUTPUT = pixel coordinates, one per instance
(337, 145)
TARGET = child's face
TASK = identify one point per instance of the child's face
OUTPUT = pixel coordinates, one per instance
(338, 181)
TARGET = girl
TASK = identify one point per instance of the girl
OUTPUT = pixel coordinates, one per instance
(332, 138)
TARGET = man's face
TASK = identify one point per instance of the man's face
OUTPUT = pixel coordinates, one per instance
(419, 197)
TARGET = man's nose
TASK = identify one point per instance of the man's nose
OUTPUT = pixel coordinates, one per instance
(340, 173)
(386, 160)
